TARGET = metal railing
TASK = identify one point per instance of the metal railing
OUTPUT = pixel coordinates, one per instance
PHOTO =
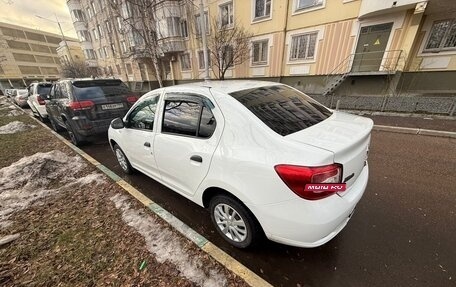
(368, 62)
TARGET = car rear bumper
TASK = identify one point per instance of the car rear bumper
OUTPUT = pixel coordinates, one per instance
(21, 103)
(305, 223)
(86, 127)
(41, 109)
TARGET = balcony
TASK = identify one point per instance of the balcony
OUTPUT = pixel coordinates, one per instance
(371, 8)
(171, 45)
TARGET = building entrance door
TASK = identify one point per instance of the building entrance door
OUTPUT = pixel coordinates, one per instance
(371, 47)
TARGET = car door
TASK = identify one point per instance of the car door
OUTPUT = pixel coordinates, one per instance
(32, 101)
(52, 104)
(138, 136)
(187, 140)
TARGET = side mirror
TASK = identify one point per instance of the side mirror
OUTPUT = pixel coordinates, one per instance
(48, 97)
(117, 124)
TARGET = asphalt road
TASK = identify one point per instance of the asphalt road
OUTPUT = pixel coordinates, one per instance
(403, 232)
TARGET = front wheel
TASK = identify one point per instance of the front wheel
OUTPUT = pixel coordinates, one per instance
(123, 160)
(234, 222)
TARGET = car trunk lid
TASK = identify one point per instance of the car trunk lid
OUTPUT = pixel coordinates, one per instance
(346, 136)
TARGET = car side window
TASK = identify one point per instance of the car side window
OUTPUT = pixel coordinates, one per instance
(188, 116)
(52, 92)
(143, 116)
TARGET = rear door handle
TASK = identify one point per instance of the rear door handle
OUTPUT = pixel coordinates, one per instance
(147, 144)
(196, 158)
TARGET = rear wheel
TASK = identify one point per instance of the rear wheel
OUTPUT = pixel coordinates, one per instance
(75, 137)
(234, 222)
(54, 125)
(123, 160)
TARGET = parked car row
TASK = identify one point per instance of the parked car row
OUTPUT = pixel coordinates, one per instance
(246, 150)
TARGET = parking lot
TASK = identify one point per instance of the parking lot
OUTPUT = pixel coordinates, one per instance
(402, 233)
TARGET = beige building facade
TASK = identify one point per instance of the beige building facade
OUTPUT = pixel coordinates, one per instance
(309, 44)
(70, 51)
(27, 55)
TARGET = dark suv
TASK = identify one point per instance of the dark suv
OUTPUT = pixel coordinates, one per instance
(86, 107)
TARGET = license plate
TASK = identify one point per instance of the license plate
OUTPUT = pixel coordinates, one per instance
(111, 106)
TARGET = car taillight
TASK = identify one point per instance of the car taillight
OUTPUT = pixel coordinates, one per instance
(40, 100)
(132, 99)
(82, 105)
(296, 177)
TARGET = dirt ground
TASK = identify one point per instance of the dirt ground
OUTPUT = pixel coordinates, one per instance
(78, 228)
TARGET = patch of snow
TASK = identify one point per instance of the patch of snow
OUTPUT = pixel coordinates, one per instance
(160, 242)
(15, 127)
(35, 177)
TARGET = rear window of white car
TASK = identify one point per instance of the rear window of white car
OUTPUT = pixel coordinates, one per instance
(282, 108)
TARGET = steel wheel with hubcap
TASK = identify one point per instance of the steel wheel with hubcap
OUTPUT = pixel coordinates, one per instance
(122, 160)
(234, 222)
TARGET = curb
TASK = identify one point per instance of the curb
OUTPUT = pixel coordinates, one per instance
(415, 131)
(218, 254)
(399, 114)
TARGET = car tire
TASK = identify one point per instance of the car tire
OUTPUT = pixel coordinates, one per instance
(54, 125)
(234, 222)
(122, 160)
(75, 137)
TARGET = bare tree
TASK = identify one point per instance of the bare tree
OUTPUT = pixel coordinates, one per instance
(77, 69)
(228, 46)
(140, 27)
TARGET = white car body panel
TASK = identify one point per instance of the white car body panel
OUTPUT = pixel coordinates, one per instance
(240, 158)
(32, 101)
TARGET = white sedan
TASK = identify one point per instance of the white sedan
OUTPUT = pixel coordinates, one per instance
(36, 100)
(264, 158)
(20, 97)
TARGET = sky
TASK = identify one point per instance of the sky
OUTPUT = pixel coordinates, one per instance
(23, 13)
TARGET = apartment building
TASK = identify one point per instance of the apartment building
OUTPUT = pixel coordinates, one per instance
(354, 46)
(70, 51)
(27, 55)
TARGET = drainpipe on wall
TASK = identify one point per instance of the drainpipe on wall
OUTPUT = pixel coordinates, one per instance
(172, 70)
(282, 62)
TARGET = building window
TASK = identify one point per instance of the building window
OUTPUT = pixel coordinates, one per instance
(100, 30)
(185, 62)
(226, 14)
(119, 23)
(227, 56)
(201, 59)
(94, 7)
(129, 68)
(260, 52)
(262, 8)
(113, 49)
(95, 34)
(89, 12)
(83, 36)
(78, 15)
(108, 27)
(198, 24)
(303, 46)
(184, 28)
(442, 36)
(89, 54)
(118, 69)
(305, 4)
(173, 24)
(105, 51)
(123, 46)
(100, 53)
